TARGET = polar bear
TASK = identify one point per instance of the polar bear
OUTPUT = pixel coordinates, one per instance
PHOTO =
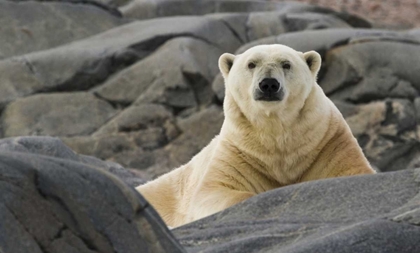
(279, 129)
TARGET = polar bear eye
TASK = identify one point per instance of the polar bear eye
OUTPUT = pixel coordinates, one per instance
(251, 65)
(286, 65)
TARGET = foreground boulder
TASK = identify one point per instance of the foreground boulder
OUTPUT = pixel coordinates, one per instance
(50, 204)
(374, 213)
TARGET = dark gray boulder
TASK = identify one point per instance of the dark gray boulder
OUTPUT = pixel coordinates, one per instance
(32, 26)
(54, 147)
(374, 213)
(57, 205)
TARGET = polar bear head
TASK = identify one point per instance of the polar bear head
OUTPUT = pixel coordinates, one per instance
(269, 78)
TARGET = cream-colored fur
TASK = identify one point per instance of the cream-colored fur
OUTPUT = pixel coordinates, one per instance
(262, 145)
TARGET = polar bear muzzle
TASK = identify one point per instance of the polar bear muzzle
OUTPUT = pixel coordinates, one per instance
(269, 89)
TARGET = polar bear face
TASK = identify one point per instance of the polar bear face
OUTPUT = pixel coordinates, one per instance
(269, 77)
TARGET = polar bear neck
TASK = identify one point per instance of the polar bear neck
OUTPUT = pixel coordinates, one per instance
(314, 110)
(280, 144)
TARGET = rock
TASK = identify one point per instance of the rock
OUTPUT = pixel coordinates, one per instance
(33, 26)
(138, 159)
(141, 9)
(57, 70)
(218, 87)
(361, 72)
(324, 39)
(54, 147)
(57, 205)
(386, 131)
(86, 63)
(372, 213)
(131, 137)
(263, 24)
(136, 118)
(61, 114)
(312, 21)
(415, 33)
(103, 147)
(178, 74)
(197, 131)
(236, 22)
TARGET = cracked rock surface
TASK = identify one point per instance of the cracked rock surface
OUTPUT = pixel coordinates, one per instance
(53, 200)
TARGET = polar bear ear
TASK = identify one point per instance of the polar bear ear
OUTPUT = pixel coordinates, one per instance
(226, 63)
(313, 60)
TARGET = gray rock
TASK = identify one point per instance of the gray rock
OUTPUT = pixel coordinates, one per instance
(136, 118)
(141, 9)
(103, 147)
(56, 205)
(415, 33)
(264, 24)
(361, 72)
(374, 213)
(312, 21)
(61, 114)
(178, 74)
(86, 63)
(131, 137)
(197, 131)
(236, 22)
(218, 87)
(138, 159)
(324, 39)
(32, 26)
(54, 147)
(387, 132)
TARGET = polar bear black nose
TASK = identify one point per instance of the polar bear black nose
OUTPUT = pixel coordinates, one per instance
(269, 85)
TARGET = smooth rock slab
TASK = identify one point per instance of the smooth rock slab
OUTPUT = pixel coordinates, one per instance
(177, 74)
(32, 26)
(373, 213)
(60, 114)
(60, 206)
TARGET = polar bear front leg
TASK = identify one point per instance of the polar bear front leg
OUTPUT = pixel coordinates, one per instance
(210, 201)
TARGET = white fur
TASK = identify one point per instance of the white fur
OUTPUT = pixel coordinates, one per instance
(262, 145)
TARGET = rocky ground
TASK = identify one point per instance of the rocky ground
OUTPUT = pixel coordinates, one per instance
(136, 83)
(382, 13)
